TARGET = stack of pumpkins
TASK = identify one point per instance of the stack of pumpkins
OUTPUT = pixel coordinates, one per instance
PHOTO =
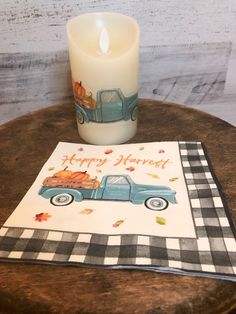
(81, 96)
(72, 179)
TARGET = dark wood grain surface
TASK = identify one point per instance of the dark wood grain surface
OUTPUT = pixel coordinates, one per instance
(27, 142)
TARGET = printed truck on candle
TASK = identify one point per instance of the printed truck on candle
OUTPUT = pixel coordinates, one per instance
(111, 105)
(63, 191)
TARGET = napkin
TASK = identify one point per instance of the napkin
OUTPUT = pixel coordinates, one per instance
(153, 206)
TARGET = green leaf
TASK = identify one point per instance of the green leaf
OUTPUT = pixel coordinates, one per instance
(160, 220)
(51, 168)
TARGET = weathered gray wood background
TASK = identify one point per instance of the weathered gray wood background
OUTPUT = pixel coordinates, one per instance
(187, 52)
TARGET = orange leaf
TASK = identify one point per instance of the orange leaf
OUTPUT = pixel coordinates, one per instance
(86, 211)
(42, 217)
(173, 179)
(108, 151)
(118, 223)
(130, 169)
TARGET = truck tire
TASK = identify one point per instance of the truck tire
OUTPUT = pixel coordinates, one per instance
(62, 199)
(156, 203)
(79, 117)
(134, 113)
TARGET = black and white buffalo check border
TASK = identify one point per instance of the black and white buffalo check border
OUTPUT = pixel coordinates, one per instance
(212, 253)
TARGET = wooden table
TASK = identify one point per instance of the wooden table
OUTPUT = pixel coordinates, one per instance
(26, 144)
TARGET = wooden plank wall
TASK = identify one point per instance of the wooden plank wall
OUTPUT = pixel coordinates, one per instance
(187, 52)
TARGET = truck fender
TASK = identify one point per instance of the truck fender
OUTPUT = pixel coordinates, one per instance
(51, 192)
(141, 197)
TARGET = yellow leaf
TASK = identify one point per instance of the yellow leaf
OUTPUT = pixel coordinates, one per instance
(153, 175)
(160, 220)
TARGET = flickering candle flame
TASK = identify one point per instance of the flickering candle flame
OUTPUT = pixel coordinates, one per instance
(104, 41)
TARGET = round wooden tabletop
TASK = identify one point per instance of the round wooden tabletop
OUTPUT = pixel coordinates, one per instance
(27, 142)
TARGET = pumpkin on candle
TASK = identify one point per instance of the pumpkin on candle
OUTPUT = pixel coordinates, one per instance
(81, 96)
(79, 90)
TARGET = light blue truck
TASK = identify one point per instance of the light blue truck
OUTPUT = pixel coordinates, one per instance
(113, 188)
(111, 106)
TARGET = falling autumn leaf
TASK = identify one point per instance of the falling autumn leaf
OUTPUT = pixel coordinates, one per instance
(108, 151)
(51, 168)
(153, 175)
(161, 151)
(130, 169)
(86, 211)
(118, 223)
(42, 217)
(173, 179)
(160, 220)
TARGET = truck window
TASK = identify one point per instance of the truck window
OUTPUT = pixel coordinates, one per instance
(110, 97)
(117, 180)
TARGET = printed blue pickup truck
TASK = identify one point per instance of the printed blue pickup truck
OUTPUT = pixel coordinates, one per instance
(62, 192)
(110, 106)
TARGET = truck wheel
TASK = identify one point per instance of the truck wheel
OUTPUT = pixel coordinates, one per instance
(134, 113)
(62, 199)
(79, 117)
(156, 203)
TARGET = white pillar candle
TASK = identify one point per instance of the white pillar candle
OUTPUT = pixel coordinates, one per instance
(104, 57)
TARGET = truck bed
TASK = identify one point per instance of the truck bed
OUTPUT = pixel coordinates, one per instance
(71, 183)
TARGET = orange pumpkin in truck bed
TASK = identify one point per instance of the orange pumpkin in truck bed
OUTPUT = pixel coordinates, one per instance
(72, 179)
(63, 173)
(80, 175)
(68, 174)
